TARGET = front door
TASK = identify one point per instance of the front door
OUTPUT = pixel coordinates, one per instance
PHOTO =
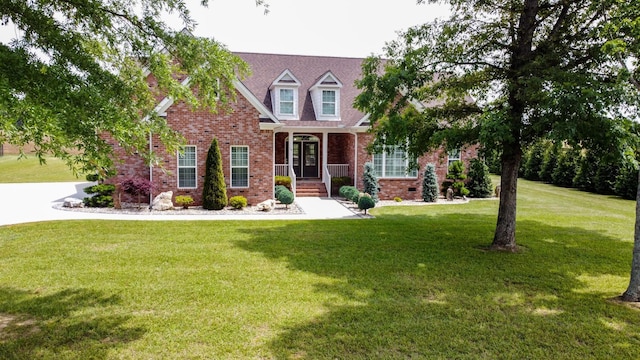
(305, 159)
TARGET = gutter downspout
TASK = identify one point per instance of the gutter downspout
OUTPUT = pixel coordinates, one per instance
(150, 169)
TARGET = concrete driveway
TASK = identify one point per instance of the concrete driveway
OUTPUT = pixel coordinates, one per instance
(32, 202)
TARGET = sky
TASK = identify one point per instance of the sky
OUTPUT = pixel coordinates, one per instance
(345, 28)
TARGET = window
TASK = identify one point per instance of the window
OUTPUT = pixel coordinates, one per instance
(187, 167)
(393, 163)
(286, 101)
(239, 166)
(328, 102)
(453, 155)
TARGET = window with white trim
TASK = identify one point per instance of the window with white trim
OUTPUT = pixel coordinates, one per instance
(329, 102)
(286, 102)
(240, 166)
(187, 170)
(393, 163)
(453, 155)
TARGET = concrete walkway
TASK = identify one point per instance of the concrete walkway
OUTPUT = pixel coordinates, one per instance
(31, 202)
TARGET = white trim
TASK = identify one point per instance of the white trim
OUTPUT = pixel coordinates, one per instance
(231, 167)
(265, 113)
(195, 167)
(328, 82)
(384, 155)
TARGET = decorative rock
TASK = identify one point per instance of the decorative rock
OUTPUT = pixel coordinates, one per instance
(450, 194)
(163, 201)
(73, 203)
(266, 205)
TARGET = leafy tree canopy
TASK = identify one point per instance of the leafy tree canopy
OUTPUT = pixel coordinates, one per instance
(502, 73)
(78, 69)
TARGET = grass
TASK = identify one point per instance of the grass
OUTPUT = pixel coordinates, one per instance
(414, 282)
(14, 170)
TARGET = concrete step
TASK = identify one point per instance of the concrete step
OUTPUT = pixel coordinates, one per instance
(311, 190)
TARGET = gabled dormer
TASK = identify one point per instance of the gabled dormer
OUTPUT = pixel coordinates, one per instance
(325, 94)
(284, 96)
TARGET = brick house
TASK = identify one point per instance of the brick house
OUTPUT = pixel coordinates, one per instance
(294, 117)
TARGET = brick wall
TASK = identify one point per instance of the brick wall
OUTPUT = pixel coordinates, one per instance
(409, 188)
(240, 127)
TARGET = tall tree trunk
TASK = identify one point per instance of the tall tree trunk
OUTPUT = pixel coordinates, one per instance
(505, 235)
(633, 291)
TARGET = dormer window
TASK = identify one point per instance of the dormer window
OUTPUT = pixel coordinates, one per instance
(328, 102)
(325, 95)
(284, 96)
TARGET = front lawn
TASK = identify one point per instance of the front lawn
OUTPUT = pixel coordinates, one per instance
(415, 282)
(29, 169)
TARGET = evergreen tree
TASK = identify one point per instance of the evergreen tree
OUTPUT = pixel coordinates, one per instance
(430, 184)
(534, 161)
(214, 193)
(370, 181)
(626, 184)
(479, 183)
(587, 165)
(548, 163)
(565, 169)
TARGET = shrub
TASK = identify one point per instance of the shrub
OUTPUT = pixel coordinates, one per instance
(456, 178)
(534, 161)
(283, 180)
(92, 177)
(136, 187)
(285, 197)
(278, 189)
(606, 173)
(586, 168)
(548, 163)
(214, 193)
(565, 169)
(348, 192)
(479, 184)
(626, 184)
(238, 202)
(430, 184)
(370, 181)
(102, 195)
(184, 200)
(339, 181)
(397, 199)
(366, 202)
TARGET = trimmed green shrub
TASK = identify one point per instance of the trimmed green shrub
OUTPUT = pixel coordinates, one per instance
(479, 183)
(349, 192)
(283, 180)
(366, 202)
(397, 199)
(430, 184)
(92, 177)
(278, 189)
(370, 181)
(285, 197)
(102, 195)
(238, 202)
(339, 181)
(214, 193)
(455, 179)
(184, 200)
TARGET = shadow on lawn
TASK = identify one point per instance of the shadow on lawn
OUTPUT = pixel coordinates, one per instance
(60, 325)
(421, 286)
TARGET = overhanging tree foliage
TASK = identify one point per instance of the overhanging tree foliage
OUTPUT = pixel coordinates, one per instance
(78, 70)
(500, 72)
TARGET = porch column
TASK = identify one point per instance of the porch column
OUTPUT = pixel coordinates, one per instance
(325, 146)
(290, 160)
(355, 166)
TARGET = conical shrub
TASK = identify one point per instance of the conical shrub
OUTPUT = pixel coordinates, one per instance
(214, 194)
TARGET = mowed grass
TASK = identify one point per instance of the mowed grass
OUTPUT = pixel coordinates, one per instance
(29, 169)
(415, 282)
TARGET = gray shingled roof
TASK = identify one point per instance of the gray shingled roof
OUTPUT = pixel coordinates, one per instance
(307, 69)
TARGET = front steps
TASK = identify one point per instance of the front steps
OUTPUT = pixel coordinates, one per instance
(310, 189)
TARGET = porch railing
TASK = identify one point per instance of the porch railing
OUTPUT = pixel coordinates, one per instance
(281, 169)
(338, 169)
(326, 176)
(292, 175)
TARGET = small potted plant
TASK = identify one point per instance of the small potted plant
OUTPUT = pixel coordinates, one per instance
(184, 201)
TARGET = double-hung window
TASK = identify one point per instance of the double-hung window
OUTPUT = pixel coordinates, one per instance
(286, 102)
(328, 102)
(393, 163)
(453, 156)
(187, 167)
(240, 166)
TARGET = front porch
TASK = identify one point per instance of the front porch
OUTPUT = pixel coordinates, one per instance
(312, 159)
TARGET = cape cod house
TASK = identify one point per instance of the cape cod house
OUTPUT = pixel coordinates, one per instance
(293, 117)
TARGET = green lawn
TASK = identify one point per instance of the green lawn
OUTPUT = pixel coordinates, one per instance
(14, 170)
(415, 282)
